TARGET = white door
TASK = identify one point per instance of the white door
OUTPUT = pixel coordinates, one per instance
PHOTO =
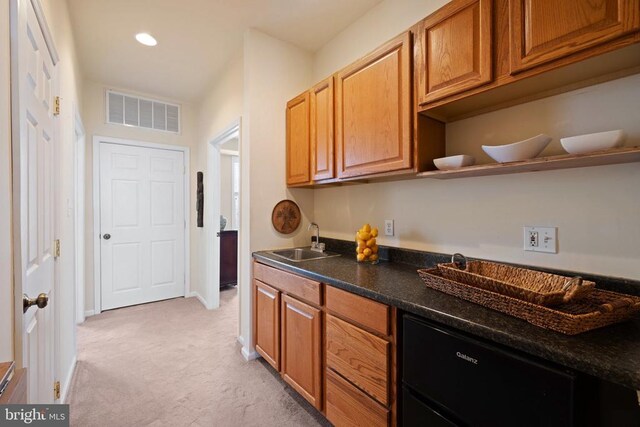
(34, 84)
(142, 224)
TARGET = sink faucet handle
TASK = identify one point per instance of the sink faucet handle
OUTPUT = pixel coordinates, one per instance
(313, 224)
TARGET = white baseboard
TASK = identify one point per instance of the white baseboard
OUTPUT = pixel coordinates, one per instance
(249, 355)
(89, 313)
(64, 392)
(195, 294)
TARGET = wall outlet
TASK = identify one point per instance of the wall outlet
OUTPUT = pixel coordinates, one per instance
(541, 239)
(388, 227)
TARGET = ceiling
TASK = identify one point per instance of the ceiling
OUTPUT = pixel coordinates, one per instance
(196, 38)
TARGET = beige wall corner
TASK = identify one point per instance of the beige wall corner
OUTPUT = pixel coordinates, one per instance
(220, 107)
(275, 71)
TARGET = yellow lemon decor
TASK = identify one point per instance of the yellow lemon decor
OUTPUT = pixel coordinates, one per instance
(366, 246)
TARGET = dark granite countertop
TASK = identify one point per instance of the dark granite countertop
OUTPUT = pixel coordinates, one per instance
(611, 353)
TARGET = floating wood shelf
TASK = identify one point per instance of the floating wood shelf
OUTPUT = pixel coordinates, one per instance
(565, 161)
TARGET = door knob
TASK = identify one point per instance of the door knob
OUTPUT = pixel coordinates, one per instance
(106, 236)
(41, 301)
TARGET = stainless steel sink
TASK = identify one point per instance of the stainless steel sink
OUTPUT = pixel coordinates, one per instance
(303, 254)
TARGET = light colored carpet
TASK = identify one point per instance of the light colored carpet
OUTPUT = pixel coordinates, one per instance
(174, 363)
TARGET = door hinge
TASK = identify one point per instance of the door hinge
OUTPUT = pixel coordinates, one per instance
(56, 106)
(56, 390)
(56, 248)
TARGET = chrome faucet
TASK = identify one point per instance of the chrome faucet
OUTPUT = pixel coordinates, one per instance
(316, 246)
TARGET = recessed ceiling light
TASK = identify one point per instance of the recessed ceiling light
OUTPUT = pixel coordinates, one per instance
(146, 39)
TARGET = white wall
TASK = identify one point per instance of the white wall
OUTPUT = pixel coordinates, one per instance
(388, 19)
(596, 209)
(218, 110)
(275, 72)
(93, 115)
(6, 262)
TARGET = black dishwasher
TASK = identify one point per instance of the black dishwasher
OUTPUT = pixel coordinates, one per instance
(450, 379)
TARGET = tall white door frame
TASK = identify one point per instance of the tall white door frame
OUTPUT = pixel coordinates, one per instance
(79, 217)
(96, 209)
(212, 213)
(6, 242)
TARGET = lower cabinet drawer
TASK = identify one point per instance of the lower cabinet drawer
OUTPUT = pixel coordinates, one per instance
(359, 356)
(346, 405)
(364, 311)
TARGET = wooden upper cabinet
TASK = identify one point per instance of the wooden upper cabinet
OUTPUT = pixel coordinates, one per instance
(322, 158)
(373, 112)
(298, 150)
(301, 365)
(453, 49)
(544, 30)
(267, 322)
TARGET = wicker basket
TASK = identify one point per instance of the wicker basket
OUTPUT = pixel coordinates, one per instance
(597, 309)
(529, 285)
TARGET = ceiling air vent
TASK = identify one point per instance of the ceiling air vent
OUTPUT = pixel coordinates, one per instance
(128, 110)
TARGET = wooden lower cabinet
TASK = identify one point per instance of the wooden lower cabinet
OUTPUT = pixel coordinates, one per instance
(301, 365)
(359, 356)
(267, 322)
(346, 405)
(335, 348)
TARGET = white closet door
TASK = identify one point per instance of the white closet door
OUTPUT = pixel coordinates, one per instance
(142, 225)
(34, 160)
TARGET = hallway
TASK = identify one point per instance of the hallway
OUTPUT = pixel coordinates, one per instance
(174, 363)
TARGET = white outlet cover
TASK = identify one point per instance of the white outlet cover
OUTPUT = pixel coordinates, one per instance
(547, 239)
(388, 227)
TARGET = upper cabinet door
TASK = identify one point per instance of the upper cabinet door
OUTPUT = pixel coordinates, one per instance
(545, 30)
(453, 50)
(322, 160)
(298, 150)
(373, 111)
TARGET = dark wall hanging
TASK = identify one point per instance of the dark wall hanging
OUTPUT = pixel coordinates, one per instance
(200, 200)
(286, 216)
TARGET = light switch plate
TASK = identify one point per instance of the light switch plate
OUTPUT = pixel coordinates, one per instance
(541, 239)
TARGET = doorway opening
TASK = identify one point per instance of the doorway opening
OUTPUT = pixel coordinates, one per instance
(223, 218)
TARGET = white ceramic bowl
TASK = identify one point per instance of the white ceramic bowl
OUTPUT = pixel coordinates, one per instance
(523, 150)
(454, 162)
(593, 142)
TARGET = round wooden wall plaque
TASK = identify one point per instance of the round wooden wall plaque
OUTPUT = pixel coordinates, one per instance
(286, 216)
